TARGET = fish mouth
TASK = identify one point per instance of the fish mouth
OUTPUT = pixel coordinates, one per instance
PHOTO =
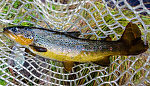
(9, 34)
(5, 31)
(17, 38)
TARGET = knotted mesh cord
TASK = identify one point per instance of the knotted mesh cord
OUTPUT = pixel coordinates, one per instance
(95, 19)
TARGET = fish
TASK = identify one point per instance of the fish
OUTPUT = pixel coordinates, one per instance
(69, 48)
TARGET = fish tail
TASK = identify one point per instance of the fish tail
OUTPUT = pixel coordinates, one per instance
(132, 39)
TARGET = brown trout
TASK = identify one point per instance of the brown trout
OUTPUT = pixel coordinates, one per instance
(67, 47)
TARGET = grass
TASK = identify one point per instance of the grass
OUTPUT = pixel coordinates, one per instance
(2, 82)
(109, 20)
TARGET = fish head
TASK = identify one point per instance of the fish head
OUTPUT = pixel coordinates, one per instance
(20, 34)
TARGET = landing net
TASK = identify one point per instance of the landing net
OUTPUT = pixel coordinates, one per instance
(95, 19)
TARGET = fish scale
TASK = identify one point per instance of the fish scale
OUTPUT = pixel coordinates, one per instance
(55, 43)
(67, 47)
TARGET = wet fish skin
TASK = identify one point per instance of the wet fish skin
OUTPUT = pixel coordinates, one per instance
(63, 43)
(63, 46)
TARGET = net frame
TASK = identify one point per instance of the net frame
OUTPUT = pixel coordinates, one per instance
(87, 16)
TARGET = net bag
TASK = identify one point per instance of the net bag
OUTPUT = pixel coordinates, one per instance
(95, 19)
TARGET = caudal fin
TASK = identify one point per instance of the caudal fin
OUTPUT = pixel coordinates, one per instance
(132, 39)
(132, 32)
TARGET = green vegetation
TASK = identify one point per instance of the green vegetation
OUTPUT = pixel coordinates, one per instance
(2, 74)
(2, 82)
(109, 20)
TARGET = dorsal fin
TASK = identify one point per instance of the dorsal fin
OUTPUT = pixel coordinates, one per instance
(108, 38)
(74, 34)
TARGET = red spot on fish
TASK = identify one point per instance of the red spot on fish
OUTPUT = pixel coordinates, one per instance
(110, 48)
(83, 48)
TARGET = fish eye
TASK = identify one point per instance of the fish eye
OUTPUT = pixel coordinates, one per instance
(26, 28)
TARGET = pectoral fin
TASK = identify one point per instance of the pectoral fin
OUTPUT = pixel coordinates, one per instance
(68, 65)
(37, 48)
(103, 62)
(28, 51)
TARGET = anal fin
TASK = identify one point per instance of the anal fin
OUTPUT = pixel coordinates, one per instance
(68, 65)
(28, 51)
(105, 62)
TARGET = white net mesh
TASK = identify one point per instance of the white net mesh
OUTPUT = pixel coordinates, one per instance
(95, 19)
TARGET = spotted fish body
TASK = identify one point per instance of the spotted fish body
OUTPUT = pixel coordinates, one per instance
(66, 46)
(69, 48)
